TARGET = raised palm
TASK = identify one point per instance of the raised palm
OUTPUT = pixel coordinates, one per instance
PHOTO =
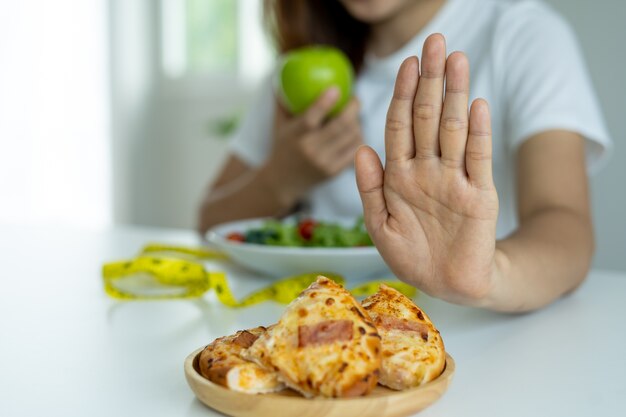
(432, 211)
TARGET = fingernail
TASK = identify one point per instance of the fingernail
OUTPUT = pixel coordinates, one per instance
(332, 93)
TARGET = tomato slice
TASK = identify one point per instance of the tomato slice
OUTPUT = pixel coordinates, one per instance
(236, 237)
(305, 228)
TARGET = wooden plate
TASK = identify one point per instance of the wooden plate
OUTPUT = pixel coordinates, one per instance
(382, 402)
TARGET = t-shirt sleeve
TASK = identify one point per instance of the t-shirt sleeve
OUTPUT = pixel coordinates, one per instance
(546, 82)
(252, 141)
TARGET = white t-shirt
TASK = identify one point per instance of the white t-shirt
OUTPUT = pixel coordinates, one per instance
(524, 60)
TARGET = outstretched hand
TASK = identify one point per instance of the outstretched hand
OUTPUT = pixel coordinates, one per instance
(432, 210)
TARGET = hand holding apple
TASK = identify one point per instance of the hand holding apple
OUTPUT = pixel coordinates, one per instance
(310, 148)
(305, 73)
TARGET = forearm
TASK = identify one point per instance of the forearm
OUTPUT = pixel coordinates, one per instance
(251, 195)
(548, 256)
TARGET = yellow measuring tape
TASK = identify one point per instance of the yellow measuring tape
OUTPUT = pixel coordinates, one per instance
(179, 274)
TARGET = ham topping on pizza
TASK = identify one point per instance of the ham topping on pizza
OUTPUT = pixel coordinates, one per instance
(325, 332)
(245, 339)
(387, 322)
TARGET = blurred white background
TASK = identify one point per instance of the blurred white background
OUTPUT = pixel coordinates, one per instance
(55, 162)
(118, 111)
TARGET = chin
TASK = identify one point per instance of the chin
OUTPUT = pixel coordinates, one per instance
(374, 11)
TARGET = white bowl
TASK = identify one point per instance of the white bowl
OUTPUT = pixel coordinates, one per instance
(280, 261)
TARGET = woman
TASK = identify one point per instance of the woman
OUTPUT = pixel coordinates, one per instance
(433, 212)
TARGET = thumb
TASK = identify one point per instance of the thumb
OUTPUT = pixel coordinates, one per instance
(370, 180)
(313, 117)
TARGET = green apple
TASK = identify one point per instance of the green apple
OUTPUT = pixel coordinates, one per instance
(307, 72)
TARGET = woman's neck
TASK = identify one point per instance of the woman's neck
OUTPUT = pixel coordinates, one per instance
(390, 35)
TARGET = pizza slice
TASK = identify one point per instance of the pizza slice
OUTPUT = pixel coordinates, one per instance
(221, 362)
(324, 344)
(412, 348)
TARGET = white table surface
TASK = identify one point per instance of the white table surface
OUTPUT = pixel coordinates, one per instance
(68, 350)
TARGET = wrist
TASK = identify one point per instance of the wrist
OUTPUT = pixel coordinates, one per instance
(496, 297)
(275, 185)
